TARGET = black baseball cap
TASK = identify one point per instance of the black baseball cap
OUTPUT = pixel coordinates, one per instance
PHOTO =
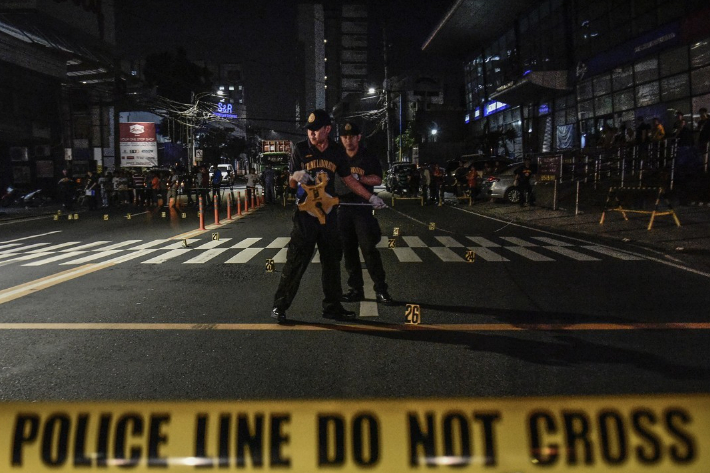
(349, 128)
(318, 119)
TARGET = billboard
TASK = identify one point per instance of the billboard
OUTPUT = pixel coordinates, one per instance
(138, 145)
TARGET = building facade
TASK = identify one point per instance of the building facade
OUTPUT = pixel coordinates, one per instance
(563, 71)
(57, 85)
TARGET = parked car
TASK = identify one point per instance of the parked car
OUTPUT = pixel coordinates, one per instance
(394, 177)
(501, 184)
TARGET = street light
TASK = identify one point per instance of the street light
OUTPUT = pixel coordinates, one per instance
(371, 90)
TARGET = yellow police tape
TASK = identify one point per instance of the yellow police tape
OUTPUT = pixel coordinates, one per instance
(584, 434)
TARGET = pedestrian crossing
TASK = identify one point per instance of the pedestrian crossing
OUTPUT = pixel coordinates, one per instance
(404, 249)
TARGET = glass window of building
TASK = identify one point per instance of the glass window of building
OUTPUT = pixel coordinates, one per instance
(675, 87)
(623, 77)
(646, 70)
(602, 84)
(624, 100)
(700, 53)
(700, 78)
(647, 94)
(674, 61)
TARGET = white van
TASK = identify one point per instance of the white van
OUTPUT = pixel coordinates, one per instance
(227, 172)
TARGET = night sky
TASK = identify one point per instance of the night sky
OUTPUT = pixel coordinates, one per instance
(262, 36)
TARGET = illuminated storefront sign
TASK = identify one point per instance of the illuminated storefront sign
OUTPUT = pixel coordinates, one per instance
(493, 107)
(225, 110)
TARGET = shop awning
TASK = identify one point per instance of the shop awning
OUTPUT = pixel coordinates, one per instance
(534, 86)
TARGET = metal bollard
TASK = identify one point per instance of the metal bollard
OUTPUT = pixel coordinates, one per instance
(246, 201)
(229, 206)
(239, 204)
(253, 198)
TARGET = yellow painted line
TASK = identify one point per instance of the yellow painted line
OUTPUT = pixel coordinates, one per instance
(22, 290)
(355, 327)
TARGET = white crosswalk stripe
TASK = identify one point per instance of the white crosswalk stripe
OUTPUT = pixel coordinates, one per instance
(575, 255)
(10, 245)
(449, 242)
(206, 256)
(529, 254)
(484, 242)
(410, 249)
(487, 254)
(244, 256)
(92, 257)
(613, 253)
(54, 258)
(518, 241)
(447, 255)
(213, 244)
(160, 259)
(119, 245)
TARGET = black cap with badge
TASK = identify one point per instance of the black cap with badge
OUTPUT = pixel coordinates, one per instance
(349, 128)
(317, 120)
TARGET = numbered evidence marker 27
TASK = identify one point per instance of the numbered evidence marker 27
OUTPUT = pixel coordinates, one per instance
(413, 314)
(270, 265)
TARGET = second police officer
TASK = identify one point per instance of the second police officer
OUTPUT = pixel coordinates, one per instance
(318, 154)
(358, 226)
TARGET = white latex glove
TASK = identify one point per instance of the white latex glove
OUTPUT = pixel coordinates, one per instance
(376, 202)
(302, 177)
(356, 176)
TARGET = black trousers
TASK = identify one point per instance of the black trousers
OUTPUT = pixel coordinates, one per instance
(306, 234)
(360, 229)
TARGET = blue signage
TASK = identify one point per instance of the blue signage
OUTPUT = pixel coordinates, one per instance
(493, 107)
(224, 110)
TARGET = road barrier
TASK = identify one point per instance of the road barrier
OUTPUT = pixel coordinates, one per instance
(623, 434)
(635, 197)
(421, 199)
(202, 213)
(229, 206)
(239, 204)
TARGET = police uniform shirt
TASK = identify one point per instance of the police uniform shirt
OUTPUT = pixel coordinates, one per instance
(332, 161)
(363, 163)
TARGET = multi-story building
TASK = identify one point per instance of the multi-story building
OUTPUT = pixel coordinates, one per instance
(558, 72)
(334, 41)
(229, 81)
(58, 77)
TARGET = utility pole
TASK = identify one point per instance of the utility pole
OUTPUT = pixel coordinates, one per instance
(388, 121)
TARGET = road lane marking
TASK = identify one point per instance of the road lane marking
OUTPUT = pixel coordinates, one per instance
(552, 241)
(484, 242)
(31, 236)
(529, 254)
(23, 248)
(368, 308)
(449, 242)
(298, 326)
(88, 245)
(243, 256)
(92, 257)
(406, 255)
(212, 244)
(280, 257)
(246, 243)
(160, 259)
(147, 245)
(206, 256)
(414, 242)
(518, 241)
(10, 245)
(55, 247)
(26, 257)
(446, 255)
(119, 245)
(179, 245)
(613, 253)
(575, 255)
(55, 258)
(279, 242)
(487, 254)
(384, 242)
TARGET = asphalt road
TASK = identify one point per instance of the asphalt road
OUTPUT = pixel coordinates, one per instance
(121, 309)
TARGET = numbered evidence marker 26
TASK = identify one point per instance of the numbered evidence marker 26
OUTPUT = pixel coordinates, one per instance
(413, 314)
(270, 265)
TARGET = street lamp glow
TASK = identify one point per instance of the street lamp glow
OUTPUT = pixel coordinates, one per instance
(434, 131)
(371, 90)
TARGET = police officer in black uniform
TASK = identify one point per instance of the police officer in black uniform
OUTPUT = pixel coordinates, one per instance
(358, 226)
(318, 154)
